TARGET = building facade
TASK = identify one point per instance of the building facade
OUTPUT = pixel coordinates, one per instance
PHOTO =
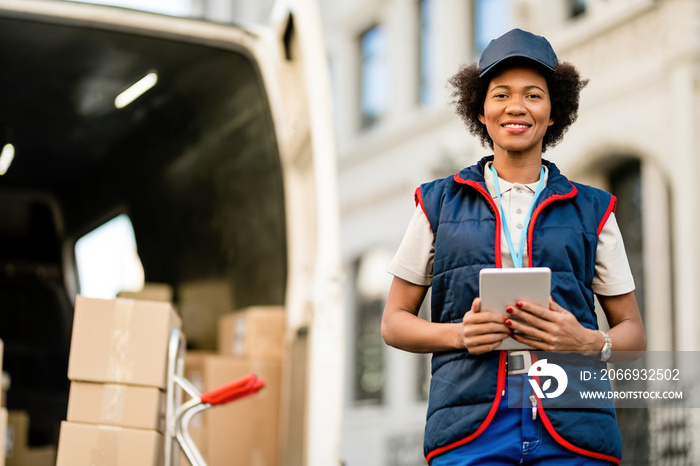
(636, 136)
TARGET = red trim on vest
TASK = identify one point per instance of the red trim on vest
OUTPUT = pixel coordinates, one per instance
(536, 213)
(611, 209)
(559, 439)
(500, 386)
(418, 197)
(492, 203)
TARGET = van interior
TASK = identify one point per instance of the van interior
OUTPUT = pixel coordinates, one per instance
(193, 163)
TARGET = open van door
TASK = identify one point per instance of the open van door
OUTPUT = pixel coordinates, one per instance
(225, 167)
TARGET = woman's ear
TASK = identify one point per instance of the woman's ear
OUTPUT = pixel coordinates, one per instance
(482, 119)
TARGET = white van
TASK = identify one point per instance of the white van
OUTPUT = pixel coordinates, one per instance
(225, 167)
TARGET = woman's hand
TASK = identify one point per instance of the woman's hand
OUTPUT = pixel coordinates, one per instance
(483, 331)
(551, 329)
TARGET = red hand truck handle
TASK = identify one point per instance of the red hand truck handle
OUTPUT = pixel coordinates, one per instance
(244, 386)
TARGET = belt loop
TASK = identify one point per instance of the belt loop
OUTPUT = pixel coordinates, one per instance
(519, 362)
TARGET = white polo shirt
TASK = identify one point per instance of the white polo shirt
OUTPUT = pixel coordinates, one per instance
(413, 261)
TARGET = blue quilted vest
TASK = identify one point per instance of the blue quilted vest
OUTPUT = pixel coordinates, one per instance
(465, 389)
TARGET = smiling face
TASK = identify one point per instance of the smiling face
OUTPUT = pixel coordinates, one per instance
(517, 112)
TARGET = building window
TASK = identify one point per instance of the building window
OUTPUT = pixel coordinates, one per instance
(369, 352)
(374, 76)
(371, 285)
(491, 20)
(577, 7)
(426, 55)
(626, 185)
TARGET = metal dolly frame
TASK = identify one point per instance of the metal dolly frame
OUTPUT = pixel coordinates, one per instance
(179, 414)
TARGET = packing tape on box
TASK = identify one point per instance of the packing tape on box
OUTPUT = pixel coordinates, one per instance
(113, 403)
(239, 339)
(106, 452)
(121, 362)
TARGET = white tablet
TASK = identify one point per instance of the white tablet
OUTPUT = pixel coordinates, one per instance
(500, 288)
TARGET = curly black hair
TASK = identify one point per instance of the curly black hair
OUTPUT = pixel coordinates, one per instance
(564, 83)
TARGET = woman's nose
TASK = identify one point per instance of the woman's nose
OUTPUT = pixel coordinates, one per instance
(516, 105)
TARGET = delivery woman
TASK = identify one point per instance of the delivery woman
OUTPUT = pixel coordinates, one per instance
(512, 209)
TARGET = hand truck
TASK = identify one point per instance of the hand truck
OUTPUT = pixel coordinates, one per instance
(179, 414)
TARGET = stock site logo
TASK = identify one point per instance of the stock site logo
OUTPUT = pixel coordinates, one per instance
(546, 372)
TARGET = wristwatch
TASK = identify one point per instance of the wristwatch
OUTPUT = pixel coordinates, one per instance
(607, 347)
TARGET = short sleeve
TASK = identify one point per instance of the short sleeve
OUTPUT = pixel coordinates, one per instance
(413, 260)
(613, 275)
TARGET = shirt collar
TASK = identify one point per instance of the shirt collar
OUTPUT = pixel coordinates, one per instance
(507, 186)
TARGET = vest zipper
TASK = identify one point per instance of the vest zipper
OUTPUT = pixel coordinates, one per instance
(533, 400)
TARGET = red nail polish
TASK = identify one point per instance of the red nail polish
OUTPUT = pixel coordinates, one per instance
(508, 322)
(519, 304)
(509, 310)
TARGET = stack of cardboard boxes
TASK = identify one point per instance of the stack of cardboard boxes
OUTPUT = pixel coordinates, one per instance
(118, 373)
(245, 432)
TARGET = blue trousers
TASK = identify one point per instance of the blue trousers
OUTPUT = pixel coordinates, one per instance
(514, 438)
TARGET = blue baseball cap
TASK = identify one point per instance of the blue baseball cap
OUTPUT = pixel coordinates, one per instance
(517, 44)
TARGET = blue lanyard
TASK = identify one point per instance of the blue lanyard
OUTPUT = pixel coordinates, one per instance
(517, 256)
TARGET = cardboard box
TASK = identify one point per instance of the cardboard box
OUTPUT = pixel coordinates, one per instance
(4, 386)
(3, 434)
(37, 456)
(17, 434)
(91, 445)
(18, 451)
(150, 292)
(117, 405)
(121, 341)
(245, 432)
(254, 332)
(3, 379)
(201, 303)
